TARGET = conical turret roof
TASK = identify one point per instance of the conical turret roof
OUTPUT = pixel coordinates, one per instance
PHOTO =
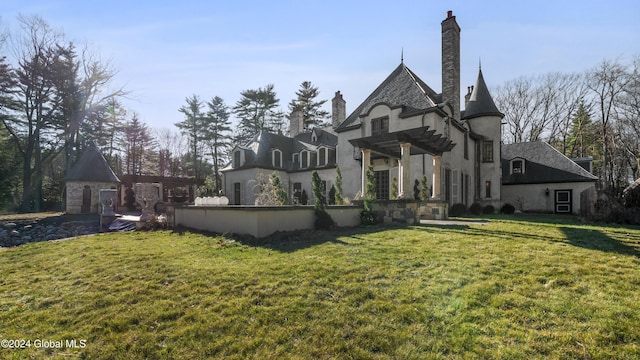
(481, 103)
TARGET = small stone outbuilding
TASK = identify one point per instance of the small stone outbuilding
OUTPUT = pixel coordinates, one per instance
(90, 174)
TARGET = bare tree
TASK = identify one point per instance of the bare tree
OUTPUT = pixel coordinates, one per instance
(606, 83)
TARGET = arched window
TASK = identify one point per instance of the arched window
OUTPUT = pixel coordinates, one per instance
(304, 159)
(276, 158)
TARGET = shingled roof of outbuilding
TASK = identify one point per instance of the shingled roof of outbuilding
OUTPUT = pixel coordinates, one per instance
(92, 166)
(401, 88)
(480, 102)
(543, 164)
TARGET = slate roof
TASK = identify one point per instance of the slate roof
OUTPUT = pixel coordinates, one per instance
(92, 166)
(543, 164)
(480, 102)
(402, 88)
(257, 152)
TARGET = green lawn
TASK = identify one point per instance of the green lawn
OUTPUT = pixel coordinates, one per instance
(519, 287)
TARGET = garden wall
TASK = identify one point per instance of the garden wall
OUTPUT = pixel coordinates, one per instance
(409, 211)
(259, 221)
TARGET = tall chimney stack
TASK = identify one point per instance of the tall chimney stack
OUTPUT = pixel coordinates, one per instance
(296, 120)
(451, 63)
(338, 110)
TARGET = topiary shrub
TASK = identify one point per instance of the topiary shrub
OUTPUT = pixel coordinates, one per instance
(507, 209)
(458, 209)
(475, 209)
(489, 209)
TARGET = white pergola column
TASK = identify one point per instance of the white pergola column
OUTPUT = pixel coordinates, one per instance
(437, 192)
(405, 171)
(366, 162)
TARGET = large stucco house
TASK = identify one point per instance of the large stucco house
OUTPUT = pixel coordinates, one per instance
(405, 130)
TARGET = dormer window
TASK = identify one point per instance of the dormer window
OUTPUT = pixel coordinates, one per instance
(517, 166)
(322, 156)
(314, 136)
(296, 158)
(304, 159)
(276, 158)
(238, 158)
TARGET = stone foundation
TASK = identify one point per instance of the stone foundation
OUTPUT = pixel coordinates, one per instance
(409, 211)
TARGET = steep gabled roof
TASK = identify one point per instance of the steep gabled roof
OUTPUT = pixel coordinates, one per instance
(92, 166)
(401, 88)
(480, 102)
(543, 164)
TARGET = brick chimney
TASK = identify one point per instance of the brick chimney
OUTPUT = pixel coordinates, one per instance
(296, 123)
(338, 110)
(451, 63)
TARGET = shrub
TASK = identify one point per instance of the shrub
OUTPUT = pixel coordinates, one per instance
(507, 209)
(475, 209)
(489, 209)
(458, 209)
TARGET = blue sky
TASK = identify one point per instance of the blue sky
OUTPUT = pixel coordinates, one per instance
(165, 51)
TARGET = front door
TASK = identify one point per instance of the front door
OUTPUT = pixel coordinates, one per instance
(86, 200)
(563, 201)
(382, 185)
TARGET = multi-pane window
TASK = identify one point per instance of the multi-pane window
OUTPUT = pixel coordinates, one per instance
(487, 151)
(237, 158)
(379, 126)
(517, 167)
(382, 185)
(304, 159)
(322, 156)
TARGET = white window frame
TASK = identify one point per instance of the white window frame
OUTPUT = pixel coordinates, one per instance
(305, 154)
(326, 156)
(522, 168)
(279, 157)
(235, 165)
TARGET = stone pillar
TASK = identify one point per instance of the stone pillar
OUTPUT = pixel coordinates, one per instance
(437, 194)
(366, 161)
(405, 171)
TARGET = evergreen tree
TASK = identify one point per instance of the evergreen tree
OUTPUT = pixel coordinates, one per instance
(367, 217)
(217, 135)
(281, 195)
(394, 188)
(338, 194)
(193, 128)
(312, 113)
(583, 134)
(323, 219)
(257, 111)
(423, 188)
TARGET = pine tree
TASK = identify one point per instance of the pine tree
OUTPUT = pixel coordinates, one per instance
(280, 194)
(217, 135)
(193, 128)
(312, 113)
(257, 111)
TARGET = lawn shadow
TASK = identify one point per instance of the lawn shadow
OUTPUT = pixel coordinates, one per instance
(591, 239)
(597, 240)
(291, 241)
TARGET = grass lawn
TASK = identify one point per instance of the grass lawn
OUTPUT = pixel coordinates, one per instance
(519, 287)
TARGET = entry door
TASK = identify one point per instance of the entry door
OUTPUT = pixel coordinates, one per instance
(382, 185)
(237, 193)
(563, 201)
(86, 200)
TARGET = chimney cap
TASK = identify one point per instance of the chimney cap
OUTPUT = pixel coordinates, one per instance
(449, 14)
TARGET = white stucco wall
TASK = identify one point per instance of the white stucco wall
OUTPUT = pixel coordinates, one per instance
(533, 198)
(260, 221)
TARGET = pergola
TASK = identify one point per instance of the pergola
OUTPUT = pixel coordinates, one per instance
(401, 145)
